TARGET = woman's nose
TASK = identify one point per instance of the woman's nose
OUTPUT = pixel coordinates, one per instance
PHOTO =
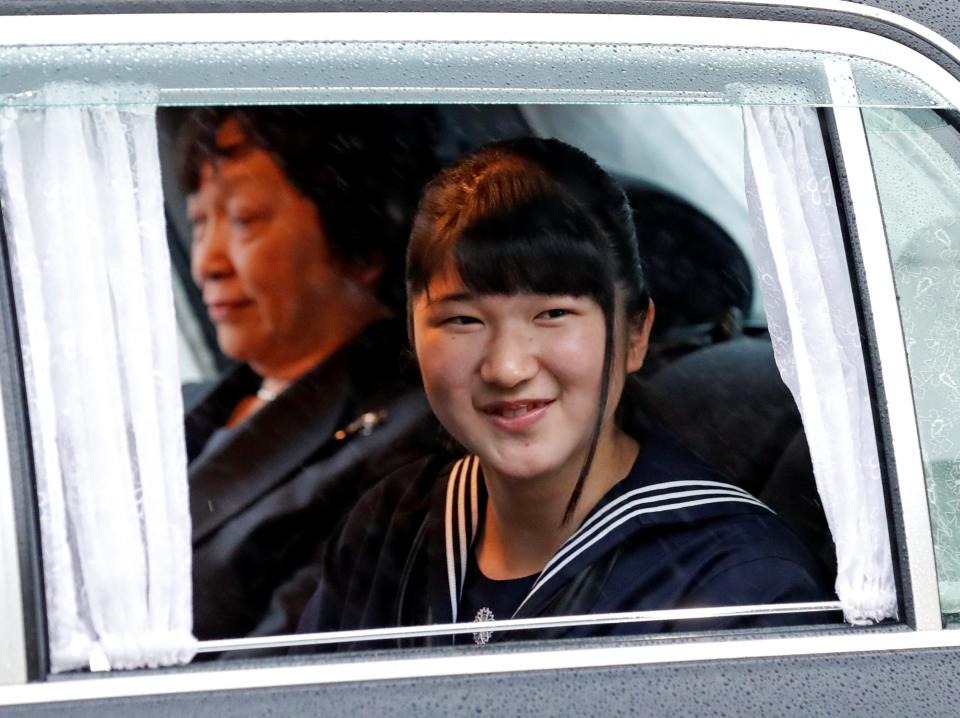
(209, 256)
(510, 360)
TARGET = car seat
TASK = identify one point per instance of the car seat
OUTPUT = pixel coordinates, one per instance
(717, 389)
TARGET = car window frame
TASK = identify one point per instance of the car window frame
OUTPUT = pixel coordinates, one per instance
(908, 531)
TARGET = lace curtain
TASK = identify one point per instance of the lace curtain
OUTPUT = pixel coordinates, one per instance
(84, 218)
(813, 325)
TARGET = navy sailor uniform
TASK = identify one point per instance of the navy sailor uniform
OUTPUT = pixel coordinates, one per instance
(672, 534)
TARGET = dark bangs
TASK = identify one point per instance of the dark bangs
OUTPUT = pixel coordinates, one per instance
(509, 228)
(545, 246)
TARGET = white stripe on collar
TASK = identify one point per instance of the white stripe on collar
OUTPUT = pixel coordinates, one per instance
(462, 527)
(474, 500)
(663, 486)
(460, 530)
(460, 533)
(614, 523)
(448, 521)
(623, 503)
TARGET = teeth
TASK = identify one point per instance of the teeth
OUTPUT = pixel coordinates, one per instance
(520, 410)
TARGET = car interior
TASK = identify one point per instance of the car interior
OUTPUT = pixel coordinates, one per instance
(710, 378)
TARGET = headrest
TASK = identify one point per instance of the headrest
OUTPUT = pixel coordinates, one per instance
(695, 270)
(727, 404)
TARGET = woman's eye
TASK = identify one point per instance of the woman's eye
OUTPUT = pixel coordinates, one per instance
(244, 216)
(246, 219)
(197, 226)
(554, 313)
(461, 320)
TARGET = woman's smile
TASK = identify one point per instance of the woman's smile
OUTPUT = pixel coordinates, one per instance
(518, 415)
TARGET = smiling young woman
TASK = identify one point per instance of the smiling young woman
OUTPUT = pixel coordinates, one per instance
(529, 310)
(516, 378)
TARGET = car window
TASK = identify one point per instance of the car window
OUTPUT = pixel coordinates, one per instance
(674, 139)
(264, 541)
(915, 158)
(718, 325)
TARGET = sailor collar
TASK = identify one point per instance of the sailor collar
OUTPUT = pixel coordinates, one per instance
(631, 505)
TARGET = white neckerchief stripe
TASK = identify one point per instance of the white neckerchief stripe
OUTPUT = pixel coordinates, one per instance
(545, 577)
(664, 486)
(448, 518)
(589, 528)
(462, 523)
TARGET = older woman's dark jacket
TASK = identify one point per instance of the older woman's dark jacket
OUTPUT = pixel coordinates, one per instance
(266, 494)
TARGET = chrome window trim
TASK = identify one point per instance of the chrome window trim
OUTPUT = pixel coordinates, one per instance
(471, 663)
(515, 624)
(881, 298)
(858, 9)
(208, 27)
(43, 30)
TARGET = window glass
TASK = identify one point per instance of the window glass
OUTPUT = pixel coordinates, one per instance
(709, 377)
(915, 155)
(287, 229)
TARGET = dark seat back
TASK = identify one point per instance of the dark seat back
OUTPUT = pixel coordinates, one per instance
(728, 404)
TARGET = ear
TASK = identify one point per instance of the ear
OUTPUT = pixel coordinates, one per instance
(638, 339)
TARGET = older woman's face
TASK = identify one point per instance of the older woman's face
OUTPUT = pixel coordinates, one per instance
(260, 256)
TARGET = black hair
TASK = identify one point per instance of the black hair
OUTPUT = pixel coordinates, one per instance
(532, 215)
(362, 167)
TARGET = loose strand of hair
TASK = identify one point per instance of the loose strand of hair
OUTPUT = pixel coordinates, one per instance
(598, 425)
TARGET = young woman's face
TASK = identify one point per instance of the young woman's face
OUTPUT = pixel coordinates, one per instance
(516, 378)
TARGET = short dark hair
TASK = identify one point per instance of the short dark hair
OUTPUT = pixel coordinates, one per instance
(362, 166)
(532, 215)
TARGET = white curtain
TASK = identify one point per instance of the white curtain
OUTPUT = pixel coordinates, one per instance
(83, 212)
(813, 324)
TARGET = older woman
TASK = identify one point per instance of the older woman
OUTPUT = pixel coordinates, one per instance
(299, 219)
